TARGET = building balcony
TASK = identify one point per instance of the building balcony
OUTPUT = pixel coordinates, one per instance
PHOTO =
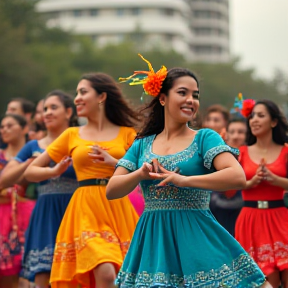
(223, 8)
(213, 23)
(211, 40)
(127, 24)
(62, 5)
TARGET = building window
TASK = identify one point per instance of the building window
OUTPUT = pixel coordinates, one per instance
(77, 13)
(201, 31)
(120, 12)
(208, 14)
(94, 12)
(136, 11)
(166, 12)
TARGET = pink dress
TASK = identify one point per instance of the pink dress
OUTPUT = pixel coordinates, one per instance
(137, 200)
(14, 218)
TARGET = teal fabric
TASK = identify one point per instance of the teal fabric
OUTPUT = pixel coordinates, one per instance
(177, 241)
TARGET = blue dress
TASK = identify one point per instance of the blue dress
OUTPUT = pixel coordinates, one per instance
(177, 241)
(53, 198)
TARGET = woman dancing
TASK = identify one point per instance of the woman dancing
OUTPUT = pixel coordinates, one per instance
(95, 233)
(177, 242)
(264, 217)
(53, 194)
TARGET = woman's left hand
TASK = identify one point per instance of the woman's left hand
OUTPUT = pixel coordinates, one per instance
(100, 155)
(268, 175)
(166, 176)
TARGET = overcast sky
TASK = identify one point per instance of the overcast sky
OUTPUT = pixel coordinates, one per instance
(259, 34)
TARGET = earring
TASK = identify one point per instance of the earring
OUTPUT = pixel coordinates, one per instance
(162, 103)
(100, 102)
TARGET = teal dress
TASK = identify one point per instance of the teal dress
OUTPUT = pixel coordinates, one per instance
(177, 241)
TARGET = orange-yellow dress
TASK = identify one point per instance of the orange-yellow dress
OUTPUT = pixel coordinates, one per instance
(93, 230)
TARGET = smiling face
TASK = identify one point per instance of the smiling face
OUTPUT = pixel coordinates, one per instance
(55, 114)
(261, 122)
(182, 102)
(11, 130)
(87, 99)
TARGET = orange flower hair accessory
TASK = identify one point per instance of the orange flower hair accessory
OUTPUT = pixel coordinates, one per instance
(151, 81)
(247, 107)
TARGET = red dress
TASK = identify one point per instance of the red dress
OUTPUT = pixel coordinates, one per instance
(263, 233)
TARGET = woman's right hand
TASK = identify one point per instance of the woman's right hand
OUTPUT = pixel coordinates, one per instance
(62, 166)
(145, 170)
(257, 178)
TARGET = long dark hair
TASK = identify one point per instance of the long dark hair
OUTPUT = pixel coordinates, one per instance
(279, 132)
(117, 108)
(68, 102)
(155, 111)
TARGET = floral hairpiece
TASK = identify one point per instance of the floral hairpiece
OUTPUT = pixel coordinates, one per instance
(244, 107)
(247, 107)
(151, 81)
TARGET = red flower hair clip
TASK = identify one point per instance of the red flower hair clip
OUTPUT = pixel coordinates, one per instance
(247, 107)
(151, 81)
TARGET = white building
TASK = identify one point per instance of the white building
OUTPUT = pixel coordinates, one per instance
(210, 26)
(163, 23)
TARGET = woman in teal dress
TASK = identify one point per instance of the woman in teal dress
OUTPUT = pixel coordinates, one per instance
(178, 242)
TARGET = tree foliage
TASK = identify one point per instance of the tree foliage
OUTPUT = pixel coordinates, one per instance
(35, 60)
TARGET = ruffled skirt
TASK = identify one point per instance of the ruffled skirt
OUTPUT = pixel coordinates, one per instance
(12, 240)
(41, 233)
(93, 231)
(186, 248)
(265, 237)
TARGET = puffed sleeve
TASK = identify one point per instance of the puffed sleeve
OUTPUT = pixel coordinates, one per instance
(26, 152)
(60, 146)
(130, 159)
(211, 145)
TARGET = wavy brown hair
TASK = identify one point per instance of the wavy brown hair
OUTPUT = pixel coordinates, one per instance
(117, 108)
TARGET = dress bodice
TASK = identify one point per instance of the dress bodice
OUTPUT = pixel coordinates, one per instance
(197, 159)
(264, 191)
(69, 143)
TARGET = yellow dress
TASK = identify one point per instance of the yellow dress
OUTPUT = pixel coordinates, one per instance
(93, 230)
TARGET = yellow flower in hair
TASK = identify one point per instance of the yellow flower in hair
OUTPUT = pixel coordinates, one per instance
(151, 81)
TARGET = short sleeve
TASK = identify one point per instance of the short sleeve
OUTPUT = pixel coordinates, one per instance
(27, 151)
(212, 145)
(60, 146)
(130, 159)
(130, 137)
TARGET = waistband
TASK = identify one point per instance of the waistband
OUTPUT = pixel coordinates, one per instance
(264, 204)
(175, 205)
(93, 182)
(59, 185)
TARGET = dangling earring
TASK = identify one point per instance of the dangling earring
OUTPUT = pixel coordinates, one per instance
(162, 103)
(100, 102)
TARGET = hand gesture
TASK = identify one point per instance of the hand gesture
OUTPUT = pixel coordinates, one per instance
(159, 172)
(152, 167)
(100, 155)
(62, 166)
(257, 178)
(268, 175)
(145, 170)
